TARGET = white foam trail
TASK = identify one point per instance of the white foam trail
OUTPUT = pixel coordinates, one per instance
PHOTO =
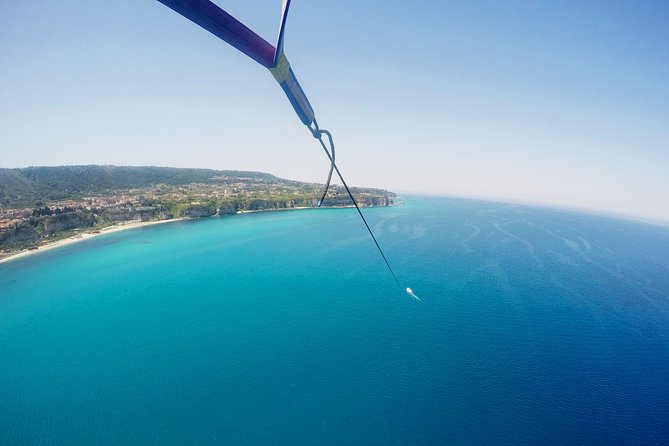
(410, 293)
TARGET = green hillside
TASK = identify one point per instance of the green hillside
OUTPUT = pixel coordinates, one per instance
(33, 186)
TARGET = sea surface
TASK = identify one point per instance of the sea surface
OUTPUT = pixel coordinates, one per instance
(536, 326)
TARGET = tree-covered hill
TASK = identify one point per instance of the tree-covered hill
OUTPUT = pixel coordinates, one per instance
(33, 186)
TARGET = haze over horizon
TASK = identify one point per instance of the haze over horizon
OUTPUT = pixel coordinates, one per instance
(557, 104)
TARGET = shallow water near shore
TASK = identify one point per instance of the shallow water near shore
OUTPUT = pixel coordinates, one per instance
(537, 326)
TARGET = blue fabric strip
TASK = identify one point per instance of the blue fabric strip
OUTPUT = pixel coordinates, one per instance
(218, 22)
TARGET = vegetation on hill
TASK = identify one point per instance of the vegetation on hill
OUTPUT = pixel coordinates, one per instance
(34, 186)
(40, 204)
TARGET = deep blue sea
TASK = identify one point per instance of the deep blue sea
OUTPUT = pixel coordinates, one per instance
(537, 327)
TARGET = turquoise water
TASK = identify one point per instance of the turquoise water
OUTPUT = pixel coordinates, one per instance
(537, 326)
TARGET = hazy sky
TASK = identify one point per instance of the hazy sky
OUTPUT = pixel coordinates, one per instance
(563, 102)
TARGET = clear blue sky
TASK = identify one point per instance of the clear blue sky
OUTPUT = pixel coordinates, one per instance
(562, 103)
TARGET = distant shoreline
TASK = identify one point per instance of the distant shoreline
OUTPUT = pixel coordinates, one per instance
(299, 208)
(92, 232)
(83, 236)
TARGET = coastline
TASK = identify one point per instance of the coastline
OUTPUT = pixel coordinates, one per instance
(83, 236)
(301, 208)
(91, 232)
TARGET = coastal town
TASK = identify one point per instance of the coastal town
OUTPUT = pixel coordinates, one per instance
(27, 228)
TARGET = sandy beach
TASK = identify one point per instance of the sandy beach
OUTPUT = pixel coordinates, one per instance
(92, 232)
(83, 236)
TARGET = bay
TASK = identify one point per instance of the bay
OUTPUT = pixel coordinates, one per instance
(537, 326)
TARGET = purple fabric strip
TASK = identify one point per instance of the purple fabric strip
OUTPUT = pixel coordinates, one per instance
(218, 22)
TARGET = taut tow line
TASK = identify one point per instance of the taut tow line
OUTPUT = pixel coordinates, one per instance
(211, 17)
(318, 134)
